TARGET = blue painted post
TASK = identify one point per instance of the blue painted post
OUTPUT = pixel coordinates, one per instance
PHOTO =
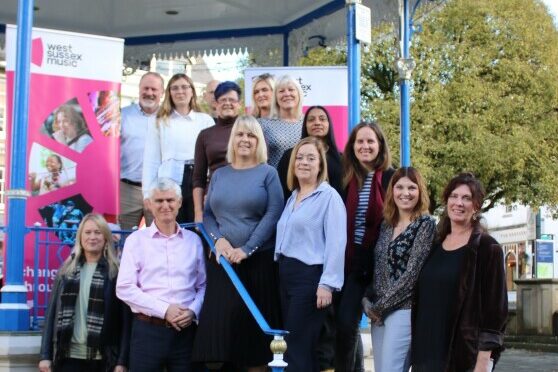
(14, 312)
(405, 99)
(353, 63)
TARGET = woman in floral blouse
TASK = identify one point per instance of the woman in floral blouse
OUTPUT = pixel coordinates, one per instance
(405, 240)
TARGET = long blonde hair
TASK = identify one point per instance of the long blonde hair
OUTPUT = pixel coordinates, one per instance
(167, 107)
(270, 81)
(76, 257)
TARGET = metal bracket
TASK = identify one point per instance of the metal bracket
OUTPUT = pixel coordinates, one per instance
(405, 67)
(17, 194)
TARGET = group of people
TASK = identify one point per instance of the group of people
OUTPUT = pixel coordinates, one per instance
(317, 238)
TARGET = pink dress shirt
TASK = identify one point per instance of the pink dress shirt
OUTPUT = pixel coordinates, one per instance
(158, 270)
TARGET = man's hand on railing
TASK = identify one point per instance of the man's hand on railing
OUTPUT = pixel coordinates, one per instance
(45, 366)
(223, 248)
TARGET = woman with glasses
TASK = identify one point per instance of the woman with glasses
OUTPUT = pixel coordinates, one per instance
(211, 146)
(282, 130)
(262, 95)
(170, 143)
(310, 249)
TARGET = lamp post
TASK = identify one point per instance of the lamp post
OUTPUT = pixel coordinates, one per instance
(14, 312)
(405, 66)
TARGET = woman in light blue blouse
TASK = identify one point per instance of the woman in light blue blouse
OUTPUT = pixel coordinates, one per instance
(310, 249)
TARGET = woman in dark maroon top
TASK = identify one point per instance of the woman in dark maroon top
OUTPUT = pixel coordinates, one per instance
(211, 145)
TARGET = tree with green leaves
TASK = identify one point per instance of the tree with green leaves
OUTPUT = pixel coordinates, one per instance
(484, 95)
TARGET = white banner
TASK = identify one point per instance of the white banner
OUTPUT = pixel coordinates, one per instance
(69, 54)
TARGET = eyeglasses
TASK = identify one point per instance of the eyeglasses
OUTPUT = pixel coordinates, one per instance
(176, 88)
(227, 100)
(263, 76)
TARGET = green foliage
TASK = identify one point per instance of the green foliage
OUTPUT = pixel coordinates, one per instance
(484, 96)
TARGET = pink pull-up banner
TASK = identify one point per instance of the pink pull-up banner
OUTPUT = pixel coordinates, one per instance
(73, 145)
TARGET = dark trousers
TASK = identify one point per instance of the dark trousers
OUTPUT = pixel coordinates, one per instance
(186, 211)
(301, 316)
(348, 312)
(81, 365)
(326, 342)
(154, 348)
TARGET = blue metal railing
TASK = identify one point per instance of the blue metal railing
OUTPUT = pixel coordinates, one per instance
(238, 285)
(48, 239)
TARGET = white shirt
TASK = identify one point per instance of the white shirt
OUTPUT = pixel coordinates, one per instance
(169, 144)
(132, 140)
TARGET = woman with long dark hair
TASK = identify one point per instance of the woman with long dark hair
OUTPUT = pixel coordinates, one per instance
(317, 123)
(461, 303)
(367, 171)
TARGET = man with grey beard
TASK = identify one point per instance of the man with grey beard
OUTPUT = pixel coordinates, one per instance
(135, 120)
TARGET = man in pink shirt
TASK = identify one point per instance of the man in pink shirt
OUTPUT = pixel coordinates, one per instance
(162, 278)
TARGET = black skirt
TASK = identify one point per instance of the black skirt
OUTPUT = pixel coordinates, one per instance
(227, 331)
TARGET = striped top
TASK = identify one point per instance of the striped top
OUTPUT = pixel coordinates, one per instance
(362, 208)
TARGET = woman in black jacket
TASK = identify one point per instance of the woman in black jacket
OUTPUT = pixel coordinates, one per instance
(461, 302)
(87, 327)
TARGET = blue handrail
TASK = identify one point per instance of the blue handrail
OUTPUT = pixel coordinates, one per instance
(238, 285)
(43, 238)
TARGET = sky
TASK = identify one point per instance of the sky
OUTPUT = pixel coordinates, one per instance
(553, 7)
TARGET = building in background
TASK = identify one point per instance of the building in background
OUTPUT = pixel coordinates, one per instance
(518, 228)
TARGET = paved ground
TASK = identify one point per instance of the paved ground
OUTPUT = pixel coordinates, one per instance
(513, 360)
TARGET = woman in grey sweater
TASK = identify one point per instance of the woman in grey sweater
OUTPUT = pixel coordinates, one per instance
(243, 205)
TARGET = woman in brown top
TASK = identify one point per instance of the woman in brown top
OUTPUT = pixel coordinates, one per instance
(211, 145)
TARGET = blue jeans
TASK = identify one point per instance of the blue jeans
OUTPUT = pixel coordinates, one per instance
(391, 343)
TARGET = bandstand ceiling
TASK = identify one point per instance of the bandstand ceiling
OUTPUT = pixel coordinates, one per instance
(199, 25)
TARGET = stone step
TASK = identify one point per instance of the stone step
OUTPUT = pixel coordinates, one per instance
(535, 339)
(552, 348)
